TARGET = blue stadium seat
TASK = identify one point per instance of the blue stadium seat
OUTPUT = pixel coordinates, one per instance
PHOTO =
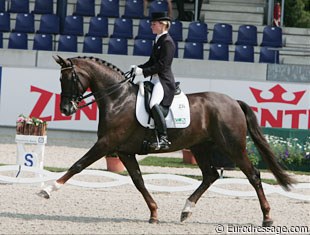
(2, 6)
(158, 6)
(118, 46)
(122, 28)
(49, 24)
(109, 8)
(98, 27)
(176, 30)
(267, 55)
(244, 53)
(43, 7)
(272, 36)
(73, 25)
(197, 32)
(92, 44)
(144, 30)
(219, 52)
(142, 47)
(134, 9)
(1, 40)
(193, 50)
(85, 8)
(5, 22)
(18, 41)
(67, 43)
(24, 23)
(247, 35)
(43, 42)
(222, 33)
(19, 6)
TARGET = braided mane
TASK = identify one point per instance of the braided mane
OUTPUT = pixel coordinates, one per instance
(103, 62)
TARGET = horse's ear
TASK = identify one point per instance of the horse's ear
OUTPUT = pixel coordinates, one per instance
(60, 61)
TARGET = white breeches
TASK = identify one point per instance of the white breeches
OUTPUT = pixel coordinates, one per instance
(158, 92)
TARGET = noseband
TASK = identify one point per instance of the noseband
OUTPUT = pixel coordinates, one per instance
(76, 96)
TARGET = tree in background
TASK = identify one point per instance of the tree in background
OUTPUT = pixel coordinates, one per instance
(297, 13)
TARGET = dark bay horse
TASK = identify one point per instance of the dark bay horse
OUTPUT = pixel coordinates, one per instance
(218, 124)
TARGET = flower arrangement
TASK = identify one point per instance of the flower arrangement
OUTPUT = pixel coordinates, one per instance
(290, 152)
(30, 126)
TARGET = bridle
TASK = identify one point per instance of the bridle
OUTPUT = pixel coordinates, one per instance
(76, 96)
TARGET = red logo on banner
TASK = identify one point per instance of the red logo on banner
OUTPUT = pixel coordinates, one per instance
(46, 97)
(278, 92)
(275, 117)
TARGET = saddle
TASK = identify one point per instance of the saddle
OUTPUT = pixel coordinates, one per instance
(177, 116)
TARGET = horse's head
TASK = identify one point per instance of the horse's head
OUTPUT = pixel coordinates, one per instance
(73, 85)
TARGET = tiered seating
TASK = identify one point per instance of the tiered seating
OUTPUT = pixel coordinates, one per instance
(92, 44)
(43, 42)
(142, 47)
(144, 30)
(244, 53)
(109, 8)
(118, 46)
(197, 32)
(19, 6)
(193, 50)
(218, 52)
(85, 8)
(49, 24)
(24, 23)
(18, 41)
(98, 28)
(222, 33)
(43, 7)
(67, 43)
(5, 23)
(134, 9)
(123, 28)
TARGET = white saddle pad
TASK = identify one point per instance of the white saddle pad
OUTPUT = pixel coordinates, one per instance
(178, 116)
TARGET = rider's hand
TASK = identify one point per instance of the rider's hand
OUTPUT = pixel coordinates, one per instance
(137, 71)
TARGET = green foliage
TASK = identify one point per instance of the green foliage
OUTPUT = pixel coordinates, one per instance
(297, 13)
(290, 152)
(165, 162)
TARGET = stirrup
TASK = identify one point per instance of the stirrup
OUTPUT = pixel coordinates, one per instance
(161, 143)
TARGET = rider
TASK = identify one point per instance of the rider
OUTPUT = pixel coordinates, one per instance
(159, 68)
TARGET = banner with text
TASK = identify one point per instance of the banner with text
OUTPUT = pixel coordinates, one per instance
(36, 92)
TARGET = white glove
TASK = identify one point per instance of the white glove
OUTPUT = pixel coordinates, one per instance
(137, 71)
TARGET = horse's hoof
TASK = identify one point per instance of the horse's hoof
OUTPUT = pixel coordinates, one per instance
(185, 215)
(153, 221)
(267, 223)
(43, 194)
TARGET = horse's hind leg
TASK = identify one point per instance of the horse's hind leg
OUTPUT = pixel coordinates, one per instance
(133, 169)
(203, 154)
(253, 176)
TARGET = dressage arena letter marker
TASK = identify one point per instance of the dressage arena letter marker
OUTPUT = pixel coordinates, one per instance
(32, 158)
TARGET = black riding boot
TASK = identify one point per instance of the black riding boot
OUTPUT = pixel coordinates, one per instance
(161, 127)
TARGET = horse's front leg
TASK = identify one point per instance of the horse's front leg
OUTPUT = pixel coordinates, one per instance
(94, 154)
(133, 169)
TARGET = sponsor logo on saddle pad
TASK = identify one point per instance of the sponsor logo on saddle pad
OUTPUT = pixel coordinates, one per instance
(178, 116)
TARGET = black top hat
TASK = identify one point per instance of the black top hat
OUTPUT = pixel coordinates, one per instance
(160, 16)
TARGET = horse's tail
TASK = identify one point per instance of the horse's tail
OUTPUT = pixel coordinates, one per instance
(263, 147)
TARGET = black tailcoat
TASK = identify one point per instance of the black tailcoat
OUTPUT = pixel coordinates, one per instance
(160, 63)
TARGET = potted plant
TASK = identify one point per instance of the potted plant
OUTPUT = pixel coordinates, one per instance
(114, 164)
(188, 157)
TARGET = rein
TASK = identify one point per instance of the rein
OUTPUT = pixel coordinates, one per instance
(129, 77)
(112, 89)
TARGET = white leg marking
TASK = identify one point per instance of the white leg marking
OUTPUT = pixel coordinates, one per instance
(188, 206)
(53, 187)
